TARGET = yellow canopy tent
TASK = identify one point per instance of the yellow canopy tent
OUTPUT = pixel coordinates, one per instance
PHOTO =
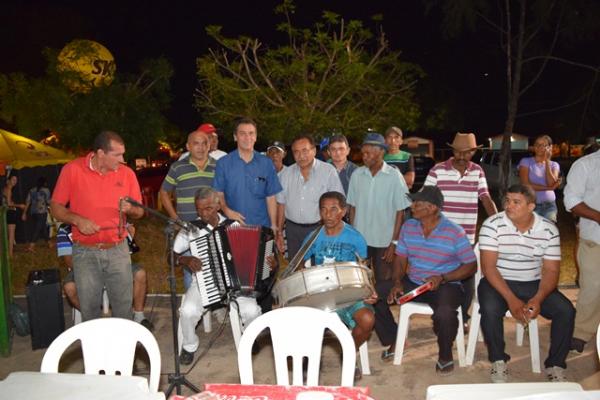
(20, 152)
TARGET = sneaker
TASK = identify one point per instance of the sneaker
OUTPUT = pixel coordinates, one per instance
(186, 357)
(499, 372)
(577, 345)
(556, 374)
(146, 323)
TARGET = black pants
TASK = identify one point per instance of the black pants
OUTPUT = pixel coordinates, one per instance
(39, 227)
(444, 302)
(295, 235)
(382, 269)
(555, 307)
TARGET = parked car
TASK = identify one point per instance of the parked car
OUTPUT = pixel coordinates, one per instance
(490, 162)
(422, 166)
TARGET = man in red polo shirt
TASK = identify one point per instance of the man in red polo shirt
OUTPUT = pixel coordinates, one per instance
(88, 195)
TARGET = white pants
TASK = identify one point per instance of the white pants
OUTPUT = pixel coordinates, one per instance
(192, 309)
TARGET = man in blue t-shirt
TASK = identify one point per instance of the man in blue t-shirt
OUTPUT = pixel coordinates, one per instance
(337, 242)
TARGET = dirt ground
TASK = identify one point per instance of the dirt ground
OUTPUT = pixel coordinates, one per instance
(407, 381)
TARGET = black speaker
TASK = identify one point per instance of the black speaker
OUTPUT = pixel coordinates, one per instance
(45, 307)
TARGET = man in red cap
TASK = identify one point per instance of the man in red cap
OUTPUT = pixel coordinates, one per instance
(215, 153)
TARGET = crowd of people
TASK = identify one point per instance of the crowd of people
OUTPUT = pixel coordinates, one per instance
(353, 213)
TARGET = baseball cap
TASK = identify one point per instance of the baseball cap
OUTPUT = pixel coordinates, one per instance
(277, 144)
(207, 128)
(430, 194)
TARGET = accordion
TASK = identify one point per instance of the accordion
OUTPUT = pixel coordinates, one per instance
(234, 259)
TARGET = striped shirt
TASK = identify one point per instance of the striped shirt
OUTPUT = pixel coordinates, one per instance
(444, 250)
(520, 255)
(185, 178)
(461, 193)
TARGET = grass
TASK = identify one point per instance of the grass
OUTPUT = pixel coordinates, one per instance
(151, 239)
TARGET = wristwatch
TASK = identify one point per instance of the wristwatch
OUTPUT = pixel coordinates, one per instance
(444, 280)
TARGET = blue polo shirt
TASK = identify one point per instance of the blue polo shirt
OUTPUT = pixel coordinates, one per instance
(247, 185)
(444, 250)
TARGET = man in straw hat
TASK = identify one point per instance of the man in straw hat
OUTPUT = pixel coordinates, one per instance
(463, 184)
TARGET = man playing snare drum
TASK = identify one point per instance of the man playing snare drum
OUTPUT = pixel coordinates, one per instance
(337, 242)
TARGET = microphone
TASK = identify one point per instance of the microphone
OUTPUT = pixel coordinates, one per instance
(185, 225)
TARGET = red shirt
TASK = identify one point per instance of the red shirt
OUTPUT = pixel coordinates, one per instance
(96, 197)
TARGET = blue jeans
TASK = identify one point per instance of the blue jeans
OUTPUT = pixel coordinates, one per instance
(547, 210)
(555, 307)
(95, 269)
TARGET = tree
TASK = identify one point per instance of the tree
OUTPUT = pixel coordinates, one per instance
(132, 106)
(337, 76)
(530, 34)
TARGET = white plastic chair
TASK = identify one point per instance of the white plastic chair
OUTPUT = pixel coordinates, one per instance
(76, 314)
(236, 329)
(598, 341)
(297, 332)
(108, 345)
(414, 307)
(474, 335)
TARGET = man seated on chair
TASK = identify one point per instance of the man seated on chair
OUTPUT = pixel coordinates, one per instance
(207, 206)
(339, 241)
(520, 261)
(431, 248)
(64, 250)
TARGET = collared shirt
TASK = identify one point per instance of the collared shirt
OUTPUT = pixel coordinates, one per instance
(444, 250)
(301, 197)
(246, 185)
(185, 178)
(345, 174)
(216, 154)
(583, 185)
(461, 193)
(520, 255)
(376, 200)
(96, 196)
(344, 246)
(181, 245)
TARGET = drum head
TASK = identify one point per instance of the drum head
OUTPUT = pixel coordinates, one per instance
(328, 287)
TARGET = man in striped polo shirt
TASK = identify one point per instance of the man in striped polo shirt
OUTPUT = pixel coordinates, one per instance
(184, 178)
(463, 184)
(520, 261)
(431, 248)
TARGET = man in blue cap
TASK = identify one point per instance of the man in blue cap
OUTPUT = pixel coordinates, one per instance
(377, 199)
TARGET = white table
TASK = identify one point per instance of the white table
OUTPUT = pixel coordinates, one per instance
(497, 391)
(38, 385)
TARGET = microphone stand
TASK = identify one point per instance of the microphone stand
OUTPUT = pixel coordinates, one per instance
(176, 379)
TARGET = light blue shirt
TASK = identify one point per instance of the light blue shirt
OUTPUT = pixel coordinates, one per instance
(301, 198)
(376, 200)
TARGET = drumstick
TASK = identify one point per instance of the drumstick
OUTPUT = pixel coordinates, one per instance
(414, 293)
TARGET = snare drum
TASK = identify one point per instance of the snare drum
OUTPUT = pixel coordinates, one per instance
(328, 286)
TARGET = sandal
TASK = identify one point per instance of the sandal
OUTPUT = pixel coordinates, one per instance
(444, 368)
(387, 355)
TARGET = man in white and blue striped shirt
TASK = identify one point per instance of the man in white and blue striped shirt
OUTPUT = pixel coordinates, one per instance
(520, 261)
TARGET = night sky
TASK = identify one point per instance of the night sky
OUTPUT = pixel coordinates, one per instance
(469, 69)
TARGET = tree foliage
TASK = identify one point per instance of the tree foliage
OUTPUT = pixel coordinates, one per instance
(530, 34)
(337, 75)
(132, 106)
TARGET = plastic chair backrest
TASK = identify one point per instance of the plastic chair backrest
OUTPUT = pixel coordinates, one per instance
(108, 346)
(297, 332)
(598, 341)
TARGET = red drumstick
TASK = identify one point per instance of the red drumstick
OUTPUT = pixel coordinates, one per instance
(414, 293)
